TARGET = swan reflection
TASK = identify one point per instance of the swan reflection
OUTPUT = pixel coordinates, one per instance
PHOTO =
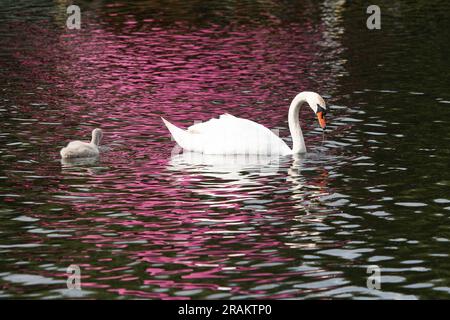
(77, 162)
(239, 168)
(81, 166)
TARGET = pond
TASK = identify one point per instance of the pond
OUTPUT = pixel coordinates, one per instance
(146, 221)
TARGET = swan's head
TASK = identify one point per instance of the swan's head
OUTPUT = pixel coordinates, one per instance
(97, 135)
(317, 104)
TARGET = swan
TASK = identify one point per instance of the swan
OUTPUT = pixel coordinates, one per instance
(80, 149)
(233, 135)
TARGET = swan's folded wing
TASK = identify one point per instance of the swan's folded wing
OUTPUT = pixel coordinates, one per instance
(213, 125)
(79, 149)
(229, 134)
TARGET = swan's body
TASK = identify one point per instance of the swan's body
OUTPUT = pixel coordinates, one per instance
(80, 149)
(233, 135)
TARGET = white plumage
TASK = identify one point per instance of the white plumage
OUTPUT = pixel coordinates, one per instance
(228, 135)
(80, 149)
(232, 135)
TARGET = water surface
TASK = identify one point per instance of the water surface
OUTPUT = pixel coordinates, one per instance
(145, 221)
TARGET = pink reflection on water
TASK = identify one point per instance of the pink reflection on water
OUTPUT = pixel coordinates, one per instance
(195, 226)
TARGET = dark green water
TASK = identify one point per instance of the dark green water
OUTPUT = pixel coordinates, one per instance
(141, 222)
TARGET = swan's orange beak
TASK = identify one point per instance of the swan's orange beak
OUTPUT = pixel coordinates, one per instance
(321, 119)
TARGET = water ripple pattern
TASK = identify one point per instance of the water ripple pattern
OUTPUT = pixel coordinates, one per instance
(148, 221)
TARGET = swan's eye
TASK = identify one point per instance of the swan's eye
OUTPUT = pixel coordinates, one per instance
(321, 109)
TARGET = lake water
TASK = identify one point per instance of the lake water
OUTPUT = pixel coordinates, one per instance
(145, 221)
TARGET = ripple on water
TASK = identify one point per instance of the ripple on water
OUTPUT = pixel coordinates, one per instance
(143, 221)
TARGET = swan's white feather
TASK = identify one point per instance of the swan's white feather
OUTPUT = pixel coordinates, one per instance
(228, 135)
(213, 124)
(79, 149)
(232, 135)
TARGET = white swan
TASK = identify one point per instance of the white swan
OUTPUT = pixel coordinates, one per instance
(80, 149)
(232, 135)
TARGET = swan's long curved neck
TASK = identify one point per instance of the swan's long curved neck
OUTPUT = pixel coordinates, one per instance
(298, 143)
(96, 137)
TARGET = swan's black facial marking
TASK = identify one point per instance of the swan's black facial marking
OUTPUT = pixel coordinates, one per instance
(321, 109)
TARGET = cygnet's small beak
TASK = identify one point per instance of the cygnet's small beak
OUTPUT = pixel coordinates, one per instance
(321, 119)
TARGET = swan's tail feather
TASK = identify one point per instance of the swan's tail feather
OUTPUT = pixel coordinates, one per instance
(67, 153)
(64, 153)
(177, 134)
